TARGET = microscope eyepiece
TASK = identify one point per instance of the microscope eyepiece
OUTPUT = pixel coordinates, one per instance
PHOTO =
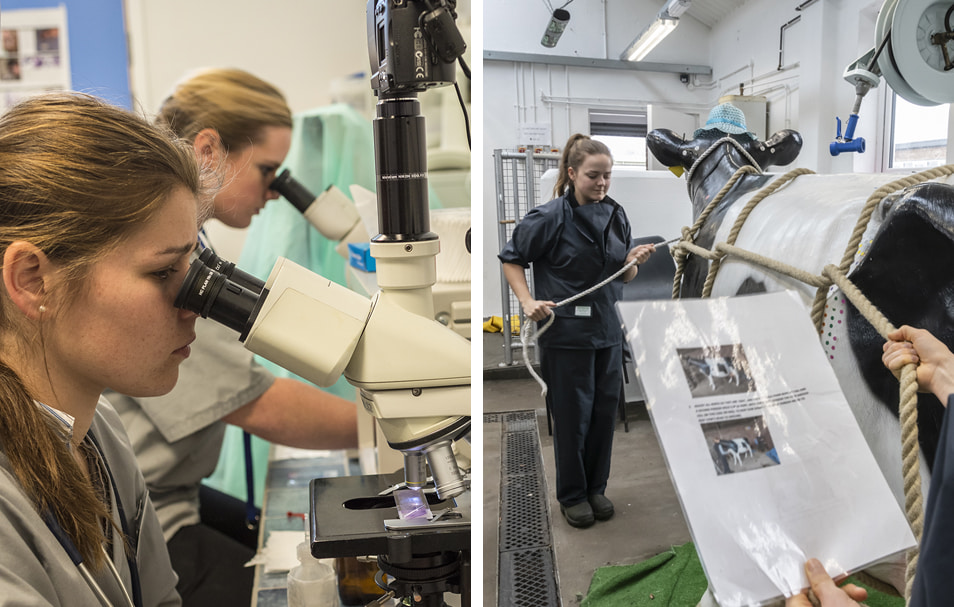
(231, 272)
(210, 294)
(293, 191)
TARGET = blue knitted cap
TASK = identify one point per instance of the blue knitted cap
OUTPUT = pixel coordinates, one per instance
(726, 118)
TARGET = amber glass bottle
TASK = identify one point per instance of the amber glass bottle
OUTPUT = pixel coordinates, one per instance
(356, 585)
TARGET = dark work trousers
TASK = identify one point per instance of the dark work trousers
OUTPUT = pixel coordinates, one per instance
(210, 557)
(583, 392)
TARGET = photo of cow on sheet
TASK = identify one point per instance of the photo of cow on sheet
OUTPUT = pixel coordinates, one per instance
(715, 371)
(739, 445)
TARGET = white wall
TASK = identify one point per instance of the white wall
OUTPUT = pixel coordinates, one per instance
(805, 95)
(300, 46)
(307, 48)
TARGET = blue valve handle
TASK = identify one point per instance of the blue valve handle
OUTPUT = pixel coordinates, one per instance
(848, 144)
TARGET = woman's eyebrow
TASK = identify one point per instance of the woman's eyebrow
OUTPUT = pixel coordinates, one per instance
(179, 250)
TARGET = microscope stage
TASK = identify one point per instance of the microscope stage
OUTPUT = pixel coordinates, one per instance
(348, 519)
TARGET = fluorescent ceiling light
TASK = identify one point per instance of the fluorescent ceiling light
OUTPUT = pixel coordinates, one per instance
(649, 38)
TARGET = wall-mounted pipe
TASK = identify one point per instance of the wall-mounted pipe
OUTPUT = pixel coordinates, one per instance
(618, 103)
(805, 5)
(781, 36)
(774, 74)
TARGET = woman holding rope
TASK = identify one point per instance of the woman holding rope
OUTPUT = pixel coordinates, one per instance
(575, 241)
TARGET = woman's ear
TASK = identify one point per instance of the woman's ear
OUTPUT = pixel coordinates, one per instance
(207, 147)
(27, 273)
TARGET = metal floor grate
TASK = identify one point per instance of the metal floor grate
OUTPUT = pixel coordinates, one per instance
(527, 577)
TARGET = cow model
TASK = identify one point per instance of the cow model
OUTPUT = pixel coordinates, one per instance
(902, 266)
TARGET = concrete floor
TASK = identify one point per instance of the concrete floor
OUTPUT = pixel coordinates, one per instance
(648, 518)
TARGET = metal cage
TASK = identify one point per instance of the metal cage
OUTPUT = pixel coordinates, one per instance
(517, 175)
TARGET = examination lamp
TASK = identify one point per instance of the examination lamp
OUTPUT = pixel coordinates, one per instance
(649, 38)
(555, 27)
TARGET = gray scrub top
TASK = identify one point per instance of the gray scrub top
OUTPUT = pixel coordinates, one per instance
(36, 570)
(177, 437)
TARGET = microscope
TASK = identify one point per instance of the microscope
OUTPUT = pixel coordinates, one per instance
(412, 373)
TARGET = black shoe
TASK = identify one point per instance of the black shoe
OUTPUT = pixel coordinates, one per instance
(602, 507)
(580, 515)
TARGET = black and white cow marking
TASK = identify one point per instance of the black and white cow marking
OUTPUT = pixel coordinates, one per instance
(715, 368)
(737, 449)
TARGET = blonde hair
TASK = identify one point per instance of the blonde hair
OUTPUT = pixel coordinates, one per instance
(578, 147)
(77, 176)
(235, 103)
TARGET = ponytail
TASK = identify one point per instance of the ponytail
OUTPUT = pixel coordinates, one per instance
(576, 150)
(40, 458)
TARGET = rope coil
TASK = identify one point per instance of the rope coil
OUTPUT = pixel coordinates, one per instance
(524, 340)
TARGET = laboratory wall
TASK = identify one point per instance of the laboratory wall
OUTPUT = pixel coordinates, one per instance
(315, 51)
(308, 49)
(795, 58)
(301, 46)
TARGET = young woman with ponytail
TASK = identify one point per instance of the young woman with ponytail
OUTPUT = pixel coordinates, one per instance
(574, 242)
(98, 216)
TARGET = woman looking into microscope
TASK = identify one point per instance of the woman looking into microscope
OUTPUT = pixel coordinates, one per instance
(239, 127)
(98, 217)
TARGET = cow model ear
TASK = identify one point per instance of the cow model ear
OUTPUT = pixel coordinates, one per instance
(670, 149)
(780, 149)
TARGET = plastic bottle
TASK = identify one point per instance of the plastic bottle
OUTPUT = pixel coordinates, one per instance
(312, 583)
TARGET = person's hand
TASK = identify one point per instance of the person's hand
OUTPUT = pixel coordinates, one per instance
(827, 593)
(640, 253)
(534, 309)
(935, 361)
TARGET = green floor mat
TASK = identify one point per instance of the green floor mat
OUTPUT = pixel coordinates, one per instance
(672, 579)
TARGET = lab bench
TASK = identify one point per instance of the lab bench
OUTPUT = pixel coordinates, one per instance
(285, 507)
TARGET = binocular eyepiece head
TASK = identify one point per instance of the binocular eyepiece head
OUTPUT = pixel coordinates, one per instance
(215, 288)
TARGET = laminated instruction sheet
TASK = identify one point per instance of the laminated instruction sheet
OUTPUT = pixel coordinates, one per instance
(767, 459)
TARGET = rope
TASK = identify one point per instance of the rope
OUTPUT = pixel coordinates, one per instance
(908, 414)
(524, 339)
(689, 234)
(818, 306)
(740, 220)
(838, 275)
(709, 150)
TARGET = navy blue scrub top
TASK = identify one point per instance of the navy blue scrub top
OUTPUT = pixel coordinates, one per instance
(573, 247)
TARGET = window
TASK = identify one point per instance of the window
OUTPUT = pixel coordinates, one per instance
(918, 135)
(624, 132)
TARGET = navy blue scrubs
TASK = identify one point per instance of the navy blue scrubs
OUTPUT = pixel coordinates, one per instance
(573, 247)
(936, 560)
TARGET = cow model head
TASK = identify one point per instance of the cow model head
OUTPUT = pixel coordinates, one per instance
(706, 166)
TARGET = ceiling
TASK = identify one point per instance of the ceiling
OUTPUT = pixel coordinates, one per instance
(710, 12)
